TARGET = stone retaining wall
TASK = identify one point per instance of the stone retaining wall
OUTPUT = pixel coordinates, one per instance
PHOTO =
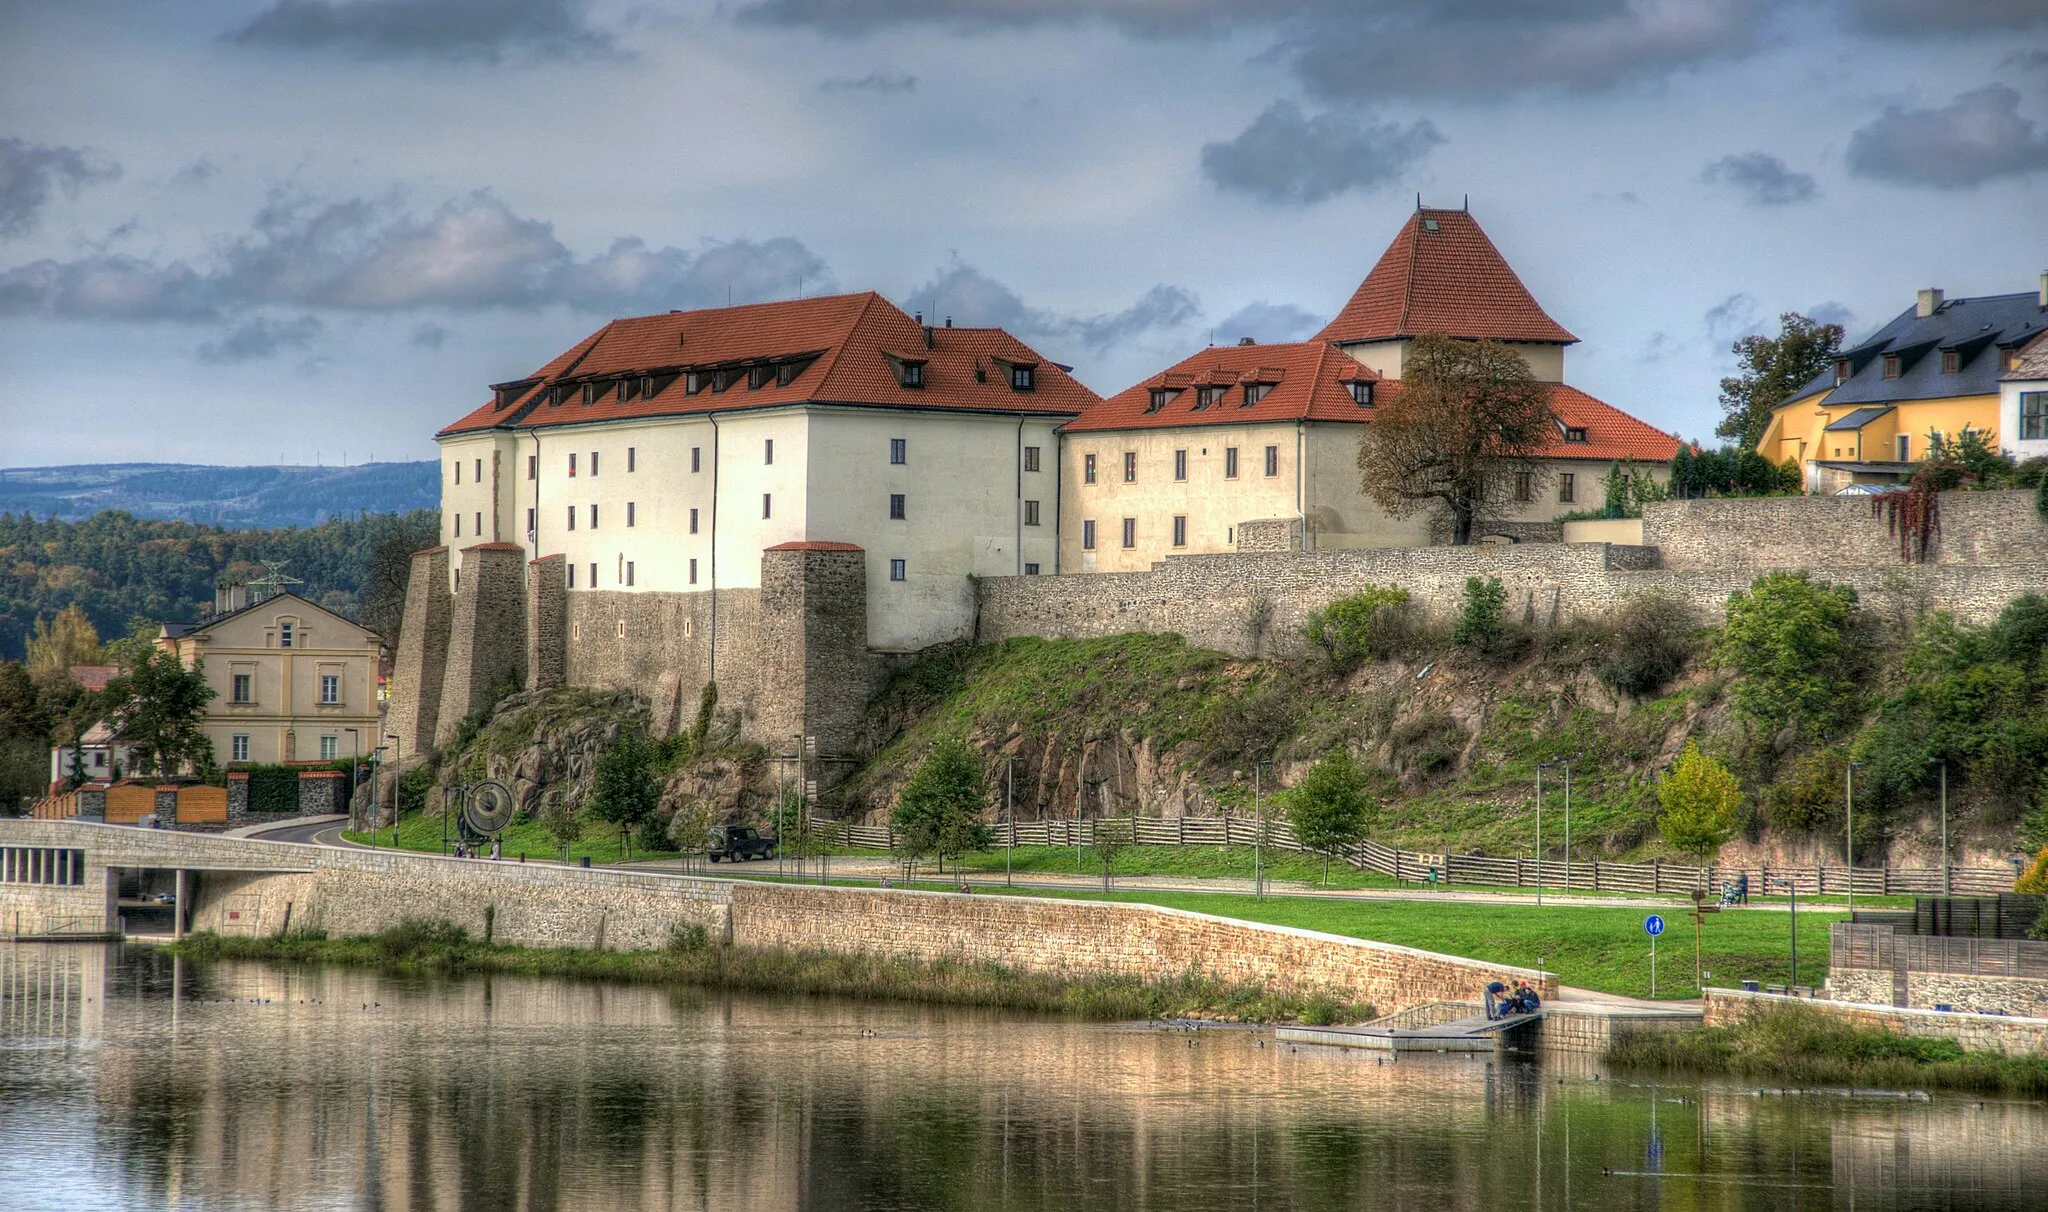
(1976, 1032)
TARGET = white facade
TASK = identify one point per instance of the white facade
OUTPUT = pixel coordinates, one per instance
(2023, 415)
(688, 503)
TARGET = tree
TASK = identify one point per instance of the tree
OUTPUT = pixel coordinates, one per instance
(1772, 369)
(1459, 434)
(1700, 802)
(160, 706)
(69, 640)
(939, 809)
(563, 823)
(624, 790)
(1351, 629)
(1789, 636)
(1329, 808)
(1481, 619)
(689, 830)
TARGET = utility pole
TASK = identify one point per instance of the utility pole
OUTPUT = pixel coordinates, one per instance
(1849, 829)
(1943, 763)
(1567, 764)
(1258, 833)
(397, 775)
(1539, 831)
(1009, 814)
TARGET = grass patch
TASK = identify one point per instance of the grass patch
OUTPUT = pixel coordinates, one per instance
(422, 945)
(1179, 862)
(421, 832)
(1801, 1045)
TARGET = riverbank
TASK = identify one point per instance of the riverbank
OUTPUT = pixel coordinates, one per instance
(1800, 1046)
(691, 958)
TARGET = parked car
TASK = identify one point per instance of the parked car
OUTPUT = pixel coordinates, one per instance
(738, 843)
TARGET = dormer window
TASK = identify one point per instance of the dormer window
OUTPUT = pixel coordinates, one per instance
(758, 376)
(1951, 361)
(590, 393)
(1023, 378)
(1841, 371)
(1207, 397)
(628, 389)
(1161, 397)
(913, 374)
(693, 383)
(1891, 366)
(1361, 392)
(722, 379)
(1254, 392)
(1574, 433)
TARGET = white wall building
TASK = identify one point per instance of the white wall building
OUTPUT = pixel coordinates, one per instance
(2023, 397)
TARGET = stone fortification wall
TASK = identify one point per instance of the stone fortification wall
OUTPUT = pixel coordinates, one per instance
(1977, 529)
(547, 623)
(1976, 1032)
(1269, 534)
(659, 645)
(486, 634)
(421, 665)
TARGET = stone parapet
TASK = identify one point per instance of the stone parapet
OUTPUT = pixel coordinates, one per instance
(1269, 534)
(1977, 529)
(320, 792)
(2005, 1034)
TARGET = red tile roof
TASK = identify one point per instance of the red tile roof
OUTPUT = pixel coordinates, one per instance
(1441, 274)
(1309, 380)
(94, 677)
(836, 345)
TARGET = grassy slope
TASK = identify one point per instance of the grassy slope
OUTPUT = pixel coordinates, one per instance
(418, 831)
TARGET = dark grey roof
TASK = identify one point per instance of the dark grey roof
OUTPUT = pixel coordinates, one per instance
(1861, 417)
(1978, 329)
(174, 630)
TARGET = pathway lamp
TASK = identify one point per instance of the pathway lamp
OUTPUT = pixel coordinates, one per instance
(1791, 887)
(1258, 832)
(397, 773)
(1849, 828)
(1943, 763)
(1009, 814)
(1540, 768)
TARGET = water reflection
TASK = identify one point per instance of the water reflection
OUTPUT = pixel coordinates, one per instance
(129, 1079)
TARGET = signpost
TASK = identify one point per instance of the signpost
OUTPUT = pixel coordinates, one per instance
(1700, 910)
(1653, 926)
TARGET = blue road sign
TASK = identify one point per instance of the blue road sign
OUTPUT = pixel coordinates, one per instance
(1653, 925)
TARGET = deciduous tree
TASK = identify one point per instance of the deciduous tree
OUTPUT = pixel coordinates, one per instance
(159, 707)
(1700, 801)
(939, 809)
(1772, 369)
(1329, 808)
(624, 790)
(1467, 421)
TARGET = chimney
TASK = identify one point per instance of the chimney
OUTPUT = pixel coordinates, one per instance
(2044, 289)
(1930, 302)
(1246, 341)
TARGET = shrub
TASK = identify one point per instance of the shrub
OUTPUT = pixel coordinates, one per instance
(2020, 635)
(1700, 800)
(1648, 645)
(419, 938)
(1788, 635)
(1481, 621)
(1429, 744)
(688, 938)
(1354, 629)
(1808, 797)
(1252, 725)
(273, 788)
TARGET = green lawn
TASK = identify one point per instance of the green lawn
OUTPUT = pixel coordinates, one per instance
(418, 831)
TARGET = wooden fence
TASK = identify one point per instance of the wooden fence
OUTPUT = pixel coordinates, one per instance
(1861, 945)
(56, 807)
(1598, 875)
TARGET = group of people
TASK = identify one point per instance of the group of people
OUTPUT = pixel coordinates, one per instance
(1503, 1002)
(465, 850)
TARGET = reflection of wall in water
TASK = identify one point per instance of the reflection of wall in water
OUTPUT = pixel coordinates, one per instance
(53, 990)
(1990, 1148)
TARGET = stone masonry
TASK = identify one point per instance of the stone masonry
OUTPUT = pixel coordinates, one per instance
(487, 642)
(547, 624)
(422, 660)
(1976, 1032)
(1269, 534)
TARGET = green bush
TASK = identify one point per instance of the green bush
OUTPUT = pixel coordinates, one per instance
(1481, 620)
(418, 938)
(1789, 636)
(1648, 644)
(1354, 629)
(273, 788)
(1808, 795)
(687, 938)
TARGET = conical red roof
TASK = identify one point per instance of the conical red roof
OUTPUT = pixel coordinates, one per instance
(1442, 275)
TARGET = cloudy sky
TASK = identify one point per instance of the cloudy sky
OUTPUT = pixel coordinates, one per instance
(314, 229)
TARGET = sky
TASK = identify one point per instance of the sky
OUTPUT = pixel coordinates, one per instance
(309, 231)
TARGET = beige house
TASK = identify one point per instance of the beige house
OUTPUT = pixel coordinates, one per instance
(1269, 434)
(293, 682)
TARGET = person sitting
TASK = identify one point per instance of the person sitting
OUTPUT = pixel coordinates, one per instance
(1494, 1007)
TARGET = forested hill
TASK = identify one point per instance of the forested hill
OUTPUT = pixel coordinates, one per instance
(220, 496)
(120, 568)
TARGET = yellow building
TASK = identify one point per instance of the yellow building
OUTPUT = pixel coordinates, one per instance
(1921, 380)
(292, 682)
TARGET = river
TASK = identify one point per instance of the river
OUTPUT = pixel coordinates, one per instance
(129, 1079)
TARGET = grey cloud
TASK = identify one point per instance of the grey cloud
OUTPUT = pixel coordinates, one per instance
(1268, 323)
(261, 338)
(1921, 17)
(2026, 60)
(1766, 179)
(429, 336)
(1287, 157)
(198, 172)
(1832, 312)
(484, 30)
(1975, 138)
(31, 173)
(880, 81)
(358, 255)
(1731, 317)
(1375, 48)
(964, 293)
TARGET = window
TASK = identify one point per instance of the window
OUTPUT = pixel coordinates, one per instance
(1272, 460)
(1841, 371)
(479, 523)
(1161, 397)
(1022, 378)
(897, 513)
(1230, 462)
(458, 471)
(572, 576)
(629, 572)
(42, 865)
(479, 471)
(696, 458)
(1180, 464)
(330, 748)
(693, 572)
(1951, 361)
(1361, 392)
(593, 464)
(244, 688)
(632, 458)
(913, 374)
(593, 515)
(897, 571)
(899, 451)
(1130, 466)
(458, 525)
(458, 580)
(1254, 392)
(768, 452)
(330, 688)
(1031, 458)
(767, 505)
(1206, 397)
(693, 521)
(593, 574)
(1905, 448)
(2033, 415)
(1030, 570)
(284, 635)
(1130, 532)
(238, 747)
(1031, 513)
(532, 522)
(1180, 530)
(572, 464)
(1524, 486)
(1574, 433)
(1088, 534)
(1087, 469)
(1891, 366)
(532, 467)
(572, 517)
(1567, 487)
(629, 513)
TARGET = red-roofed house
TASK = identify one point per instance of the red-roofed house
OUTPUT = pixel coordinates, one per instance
(1177, 464)
(665, 453)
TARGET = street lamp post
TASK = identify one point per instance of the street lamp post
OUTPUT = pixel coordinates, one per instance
(1539, 831)
(1009, 814)
(1567, 764)
(1258, 833)
(1943, 763)
(1849, 828)
(397, 773)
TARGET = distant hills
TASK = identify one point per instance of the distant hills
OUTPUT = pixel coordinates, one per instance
(234, 497)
